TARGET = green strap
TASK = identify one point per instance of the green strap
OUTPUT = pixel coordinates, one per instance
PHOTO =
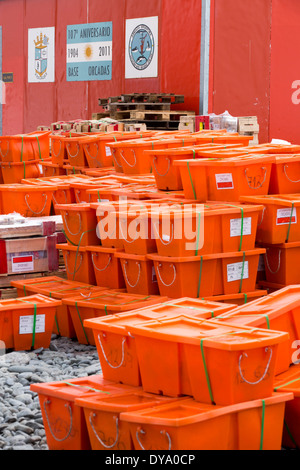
(290, 223)
(242, 229)
(40, 153)
(194, 154)
(55, 317)
(245, 298)
(286, 384)
(268, 321)
(77, 251)
(105, 310)
(242, 223)
(99, 198)
(290, 435)
(24, 167)
(198, 234)
(188, 166)
(22, 148)
(81, 322)
(206, 373)
(34, 320)
(200, 277)
(262, 425)
(24, 288)
(212, 314)
(242, 274)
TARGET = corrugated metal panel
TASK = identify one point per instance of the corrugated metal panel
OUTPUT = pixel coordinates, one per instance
(1, 89)
(285, 71)
(242, 54)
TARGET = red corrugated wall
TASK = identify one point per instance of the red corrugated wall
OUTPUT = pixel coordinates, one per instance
(240, 59)
(253, 64)
(285, 71)
(31, 104)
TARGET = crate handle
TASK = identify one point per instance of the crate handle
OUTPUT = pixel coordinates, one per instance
(106, 359)
(292, 181)
(166, 285)
(55, 155)
(93, 415)
(127, 163)
(47, 402)
(96, 267)
(79, 231)
(261, 184)
(279, 262)
(139, 274)
(90, 156)
(114, 157)
(141, 431)
(76, 154)
(55, 200)
(4, 156)
(162, 241)
(67, 266)
(169, 165)
(31, 210)
(265, 372)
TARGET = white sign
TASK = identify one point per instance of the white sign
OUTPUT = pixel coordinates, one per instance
(235, 271)
(89, 52)
(141, 53)
(285, 216)
(224, 181)
(236, 227)
(26, 324)
(41, 55)
(20, 264)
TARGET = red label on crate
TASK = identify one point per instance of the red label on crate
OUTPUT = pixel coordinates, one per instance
(224, 181)
(285, 216)
(22, 263)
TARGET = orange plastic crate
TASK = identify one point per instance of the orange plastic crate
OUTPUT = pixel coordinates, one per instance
(27, 323)
(102, 304)
(78, 263)
(107, 268)
(139, 274)
(188, 425)
(213, 362)
(63, 419)
(289, 382)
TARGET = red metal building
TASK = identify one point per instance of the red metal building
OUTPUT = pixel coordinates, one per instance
(251, 46)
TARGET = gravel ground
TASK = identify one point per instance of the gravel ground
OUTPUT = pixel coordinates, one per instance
(21, 423)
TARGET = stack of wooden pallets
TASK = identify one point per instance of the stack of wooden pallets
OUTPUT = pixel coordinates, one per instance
(153, 110)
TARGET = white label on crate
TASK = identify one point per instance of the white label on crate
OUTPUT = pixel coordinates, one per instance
(284, 216)
(22, 263)
(234, 271)
(236, 227)
(103, 200)
(26, 324)
(107, 151)
(224, 181)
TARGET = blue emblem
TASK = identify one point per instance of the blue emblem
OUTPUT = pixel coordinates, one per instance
(141, 47)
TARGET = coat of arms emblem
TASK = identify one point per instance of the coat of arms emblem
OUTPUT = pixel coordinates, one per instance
(41, 56)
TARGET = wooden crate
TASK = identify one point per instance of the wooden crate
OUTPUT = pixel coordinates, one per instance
(248, 125)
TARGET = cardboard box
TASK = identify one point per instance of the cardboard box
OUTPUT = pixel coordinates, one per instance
(29, 255)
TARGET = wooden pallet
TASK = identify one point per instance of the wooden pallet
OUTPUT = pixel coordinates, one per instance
(152, 115)
(144, 98)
